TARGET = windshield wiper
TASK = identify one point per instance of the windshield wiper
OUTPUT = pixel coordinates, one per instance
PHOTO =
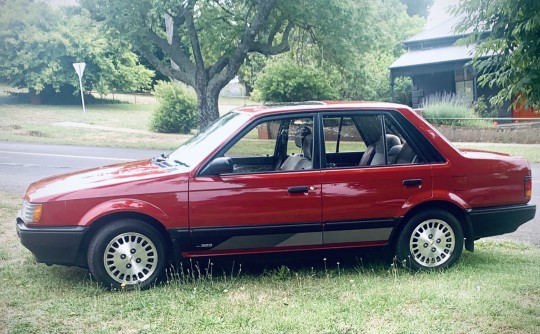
(165, 157)
(181, 163)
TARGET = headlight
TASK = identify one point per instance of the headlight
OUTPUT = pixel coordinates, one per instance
(31, 212)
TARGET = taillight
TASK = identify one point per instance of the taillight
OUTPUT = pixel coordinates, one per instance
(528, 186)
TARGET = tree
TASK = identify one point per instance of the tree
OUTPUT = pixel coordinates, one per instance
(38, 46)
(285, 81)
(508, 47)
(210, 39)
(357, 59)
(418, 7)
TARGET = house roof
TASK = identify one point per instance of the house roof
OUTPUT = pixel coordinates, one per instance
(444, 29)
(434, 56)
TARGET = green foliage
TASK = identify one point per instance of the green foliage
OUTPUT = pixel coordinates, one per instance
(403, 90)
(250, 70)
(448, 110)
(511, 29)
(484, 108)
(418, 7)
(177, 110)
(39, 44)
(286, 81)
(355, 42)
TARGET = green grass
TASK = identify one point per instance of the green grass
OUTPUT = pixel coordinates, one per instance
(31, 123)
(530, 152)
(493, 290)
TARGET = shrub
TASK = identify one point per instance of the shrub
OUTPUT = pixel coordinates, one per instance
(286, 81)
(484, 108)
(177, 109)
(450, 110)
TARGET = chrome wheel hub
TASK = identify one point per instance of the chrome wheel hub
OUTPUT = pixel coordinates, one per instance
(130, 258)
(432, 243)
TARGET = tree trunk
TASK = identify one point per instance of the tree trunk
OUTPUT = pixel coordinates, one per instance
(35, 98)
(208, 106)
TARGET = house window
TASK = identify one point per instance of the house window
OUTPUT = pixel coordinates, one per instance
(464, 84)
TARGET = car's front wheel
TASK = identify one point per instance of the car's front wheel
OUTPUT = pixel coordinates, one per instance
(127, 253)
(432, 239)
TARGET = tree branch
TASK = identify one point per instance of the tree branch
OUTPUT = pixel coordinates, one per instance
(174, 51)
(275, 30)
(218, 66)
(270, 49)
(224, 70)
(193, 36)
(165, 68)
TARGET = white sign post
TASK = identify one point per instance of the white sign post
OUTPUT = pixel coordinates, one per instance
(79, 68)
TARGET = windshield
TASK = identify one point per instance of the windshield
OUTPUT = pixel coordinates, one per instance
(193, 151)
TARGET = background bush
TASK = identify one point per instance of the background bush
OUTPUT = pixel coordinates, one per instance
(450, 110)
(286, 81)
(177, 109)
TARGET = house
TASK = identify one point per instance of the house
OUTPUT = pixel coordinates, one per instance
(438, 66)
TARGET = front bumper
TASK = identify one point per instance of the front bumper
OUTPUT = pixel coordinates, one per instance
(487, 222)
(54, 245)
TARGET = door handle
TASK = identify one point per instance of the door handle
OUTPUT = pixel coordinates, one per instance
(296, 190)
(412, 183)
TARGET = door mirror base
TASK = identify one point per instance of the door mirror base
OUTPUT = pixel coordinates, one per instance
(218, 166)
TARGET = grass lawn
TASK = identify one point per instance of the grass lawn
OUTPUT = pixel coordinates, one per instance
(31, 123)
(493, 290)
(530, 152)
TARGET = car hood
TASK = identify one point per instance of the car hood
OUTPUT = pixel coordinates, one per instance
(143, 176)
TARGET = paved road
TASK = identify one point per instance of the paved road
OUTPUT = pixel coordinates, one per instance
(23, 163)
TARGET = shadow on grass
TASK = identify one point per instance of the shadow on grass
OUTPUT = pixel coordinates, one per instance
(253, 266)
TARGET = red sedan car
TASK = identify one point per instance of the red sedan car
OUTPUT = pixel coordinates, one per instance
(280, 179)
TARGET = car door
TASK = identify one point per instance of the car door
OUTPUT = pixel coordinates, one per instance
(364, 198)
(260, 206)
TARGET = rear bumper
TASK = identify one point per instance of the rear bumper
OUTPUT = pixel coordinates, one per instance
(54, 245)
(486, 222)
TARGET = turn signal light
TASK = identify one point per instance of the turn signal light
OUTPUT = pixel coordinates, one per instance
(37, 213)
(528, 186)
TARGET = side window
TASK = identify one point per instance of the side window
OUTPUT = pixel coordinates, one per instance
(366, 140)
(341, 135)
(259, 142)
(346, 138)
(279, 145)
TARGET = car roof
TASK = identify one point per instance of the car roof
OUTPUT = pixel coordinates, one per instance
(319, 106)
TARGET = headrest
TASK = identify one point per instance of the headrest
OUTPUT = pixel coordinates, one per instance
(307, 148)
(301, 134)
(392, 140)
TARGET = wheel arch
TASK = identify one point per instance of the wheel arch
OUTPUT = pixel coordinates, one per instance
(110, 218)
(452, 208)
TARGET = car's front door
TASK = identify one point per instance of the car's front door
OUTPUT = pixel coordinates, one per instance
(364, 197)
(271, 201)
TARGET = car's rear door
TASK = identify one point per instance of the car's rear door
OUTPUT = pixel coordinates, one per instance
(258, 207)
(362, 202)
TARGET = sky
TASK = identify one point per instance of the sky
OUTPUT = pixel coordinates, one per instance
(438, 12)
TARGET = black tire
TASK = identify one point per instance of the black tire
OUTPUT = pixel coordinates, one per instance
(126, 254)
(430, 240)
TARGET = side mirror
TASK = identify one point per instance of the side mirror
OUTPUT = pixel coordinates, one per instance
(218, 166)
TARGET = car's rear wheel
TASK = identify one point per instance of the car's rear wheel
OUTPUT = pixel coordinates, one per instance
(126, 254)
(432, 239)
